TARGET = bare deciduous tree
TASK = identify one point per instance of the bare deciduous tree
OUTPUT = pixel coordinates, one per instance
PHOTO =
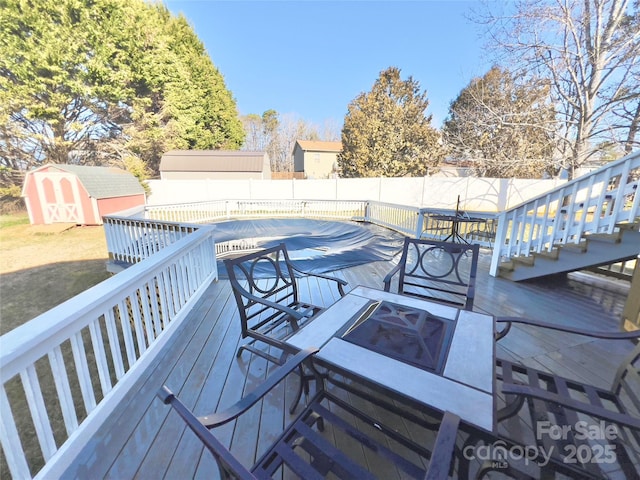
(277, 136)
(589, 50)
(290, 129)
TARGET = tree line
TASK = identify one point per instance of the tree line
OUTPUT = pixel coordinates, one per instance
(120, 82)
(565, 89)
(277, 135)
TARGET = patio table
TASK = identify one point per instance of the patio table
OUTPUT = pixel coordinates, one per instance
(455, 221)
(460, 379)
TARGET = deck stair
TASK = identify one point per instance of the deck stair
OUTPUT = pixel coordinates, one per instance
(589, 222)
(591, 251)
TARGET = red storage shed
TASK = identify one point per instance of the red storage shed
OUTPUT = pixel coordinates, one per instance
(79, 194)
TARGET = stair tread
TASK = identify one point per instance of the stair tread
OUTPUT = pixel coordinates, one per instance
(574, 247)
(573, 256)
(522, 260)
(604, 237)
(550, 255)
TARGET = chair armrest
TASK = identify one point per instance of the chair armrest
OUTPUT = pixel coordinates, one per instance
(340, 283)
(389, 276)
(599, 412)
(219, 451)
(444, 448)
(217, 419)
(577, 331)
(276, 306)
(220, 418)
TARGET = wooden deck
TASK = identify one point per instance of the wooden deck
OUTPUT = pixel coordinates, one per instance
(141, 440)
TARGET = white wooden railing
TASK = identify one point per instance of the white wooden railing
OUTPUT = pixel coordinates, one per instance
(404, 219)
(130, 240)
(66, 370)
(590, 204)
(217, 210)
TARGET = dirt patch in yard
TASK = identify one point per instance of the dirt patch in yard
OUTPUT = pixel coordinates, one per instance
(42, 267)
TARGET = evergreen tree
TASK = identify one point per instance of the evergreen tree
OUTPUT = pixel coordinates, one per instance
(387, 132)
(98, 81)
(505, 127)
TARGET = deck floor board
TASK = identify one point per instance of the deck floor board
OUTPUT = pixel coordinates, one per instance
(141, 440)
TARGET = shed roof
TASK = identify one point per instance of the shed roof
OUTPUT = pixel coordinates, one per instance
(103, 182)
(212, 161)
(316, 146)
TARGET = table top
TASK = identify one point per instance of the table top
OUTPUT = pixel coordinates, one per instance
(459, 218)
(466, 384)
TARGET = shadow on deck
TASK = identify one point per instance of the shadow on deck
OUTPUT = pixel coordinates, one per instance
(142, 440)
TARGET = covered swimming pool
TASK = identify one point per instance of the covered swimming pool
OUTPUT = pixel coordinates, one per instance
(316, 246)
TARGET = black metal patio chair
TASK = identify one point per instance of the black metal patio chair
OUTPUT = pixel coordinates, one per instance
(440, 271)
(590, 432)
(330, 437)
(265, 286)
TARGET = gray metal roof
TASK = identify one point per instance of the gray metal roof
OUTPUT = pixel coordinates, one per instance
(212, 161)
(104, 182)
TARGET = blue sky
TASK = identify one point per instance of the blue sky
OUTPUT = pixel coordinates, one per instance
(312, 58)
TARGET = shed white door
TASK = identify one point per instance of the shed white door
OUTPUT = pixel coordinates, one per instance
(59, 196)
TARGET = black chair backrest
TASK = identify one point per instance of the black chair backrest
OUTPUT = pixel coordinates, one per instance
(267, 274)
(440, 271)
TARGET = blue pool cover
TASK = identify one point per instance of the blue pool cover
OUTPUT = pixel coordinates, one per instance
(316, 246)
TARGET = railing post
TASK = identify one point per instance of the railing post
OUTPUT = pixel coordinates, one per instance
(631, 312)
(420, 223)
(499, 243)
(620, 197)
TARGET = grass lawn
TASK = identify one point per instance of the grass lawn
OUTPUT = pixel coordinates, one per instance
(41, 267)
